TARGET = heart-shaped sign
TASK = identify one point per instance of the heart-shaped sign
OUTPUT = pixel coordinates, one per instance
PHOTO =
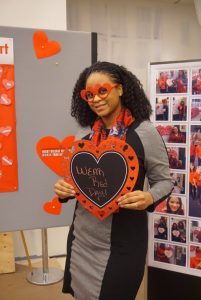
(176, 233)
(50, 151)
(6, 130)
(6, 161)
(53, 207)
(8, 84)
(100, 175)
(44, 48)
(168, 253)
(4, 100)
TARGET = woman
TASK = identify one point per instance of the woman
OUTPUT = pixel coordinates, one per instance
(175, 233)
(182, 110)
(174, 206)
(176, 136)
(192, 182)
(105, 259)
(161, 229)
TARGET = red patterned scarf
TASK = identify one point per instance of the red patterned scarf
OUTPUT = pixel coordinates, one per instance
(119, 128)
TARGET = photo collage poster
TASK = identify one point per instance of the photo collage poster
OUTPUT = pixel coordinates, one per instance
(175, 224)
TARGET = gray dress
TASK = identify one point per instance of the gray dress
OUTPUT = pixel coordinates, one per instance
(106, 259)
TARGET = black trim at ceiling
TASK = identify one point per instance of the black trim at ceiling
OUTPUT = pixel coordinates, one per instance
(94, 44)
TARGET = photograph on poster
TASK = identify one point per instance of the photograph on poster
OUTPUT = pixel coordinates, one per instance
(195, 257)
(195, 145)
(177, 157)
(172, 133)
(179, 183)
(195, 231)
(195, 172)
(171, 81)
(162, 108)
(195, 191)
(196, 109)
(160, 227)
(196, 81)
(171, 254)
(178, 230)
(172, 205)
(179, 108)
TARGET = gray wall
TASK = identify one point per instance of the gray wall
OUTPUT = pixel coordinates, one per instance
(42, 93)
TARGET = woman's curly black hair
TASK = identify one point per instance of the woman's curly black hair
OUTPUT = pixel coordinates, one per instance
(133, 97)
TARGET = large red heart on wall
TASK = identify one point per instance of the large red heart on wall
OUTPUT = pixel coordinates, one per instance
(50, 151)
(100, 175)
(44, 48)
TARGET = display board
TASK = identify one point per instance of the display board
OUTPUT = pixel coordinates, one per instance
(175, 225)
(46, 65)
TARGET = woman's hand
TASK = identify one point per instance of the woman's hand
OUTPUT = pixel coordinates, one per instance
(63, 189)
(137, 200)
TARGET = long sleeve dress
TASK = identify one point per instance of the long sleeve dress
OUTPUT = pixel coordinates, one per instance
(106, 259)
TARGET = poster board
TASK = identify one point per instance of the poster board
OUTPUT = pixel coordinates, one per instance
(43, 89)
(175, 225)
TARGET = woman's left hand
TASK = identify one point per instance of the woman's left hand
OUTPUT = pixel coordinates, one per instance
(137, 200)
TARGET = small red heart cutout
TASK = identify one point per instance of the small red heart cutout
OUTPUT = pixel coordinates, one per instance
(53, 207)
(44, 48)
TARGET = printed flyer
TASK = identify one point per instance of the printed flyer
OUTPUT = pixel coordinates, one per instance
(175, 225)
(8, 148)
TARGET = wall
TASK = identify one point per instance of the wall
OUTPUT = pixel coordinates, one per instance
(134, 33)
(44, 14)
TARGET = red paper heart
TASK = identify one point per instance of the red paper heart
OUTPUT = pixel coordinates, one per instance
(44, 48)
(53, 207)
(50, 151)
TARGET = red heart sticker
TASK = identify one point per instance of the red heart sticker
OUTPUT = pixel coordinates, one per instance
(50, 151)
(53, 207)
(44, 48)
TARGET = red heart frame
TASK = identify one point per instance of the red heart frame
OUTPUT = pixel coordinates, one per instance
(50, 151)
(109, 145)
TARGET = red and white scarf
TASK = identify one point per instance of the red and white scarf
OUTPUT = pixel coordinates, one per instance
(119, 129)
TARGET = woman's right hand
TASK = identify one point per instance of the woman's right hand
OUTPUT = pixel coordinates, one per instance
(63, 189)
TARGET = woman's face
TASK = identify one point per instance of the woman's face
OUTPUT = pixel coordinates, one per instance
(175, 129)
(110, 106)
(174, 204)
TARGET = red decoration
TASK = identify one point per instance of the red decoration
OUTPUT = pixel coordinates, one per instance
(53, 207)
(8, 146)
(100, 175)
(50, 151)
(44, 48)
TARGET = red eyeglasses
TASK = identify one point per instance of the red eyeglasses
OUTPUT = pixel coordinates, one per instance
(102, 91)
